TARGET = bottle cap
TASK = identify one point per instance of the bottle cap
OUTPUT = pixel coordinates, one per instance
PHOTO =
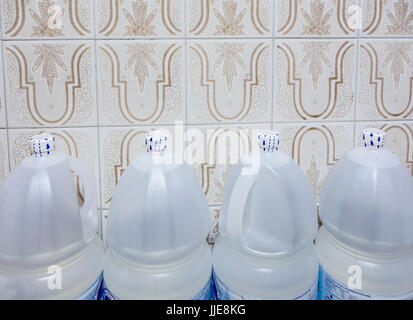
(374, 138)
(156, 141)
(42, 145)
(268, 140)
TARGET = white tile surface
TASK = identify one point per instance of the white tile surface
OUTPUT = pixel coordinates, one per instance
(42, 19)
(50, 83)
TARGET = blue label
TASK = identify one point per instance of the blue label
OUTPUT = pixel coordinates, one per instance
(92, 293)
(105, 293)
(331, 289)
(206, 293)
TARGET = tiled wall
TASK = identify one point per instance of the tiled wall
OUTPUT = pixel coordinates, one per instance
(318, 71)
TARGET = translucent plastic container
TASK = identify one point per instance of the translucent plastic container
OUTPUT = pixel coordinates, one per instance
(365, 246)
(267, 227)
(157, 228)
(49, 247)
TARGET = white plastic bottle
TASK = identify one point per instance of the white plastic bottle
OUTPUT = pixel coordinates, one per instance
(157, 229)
(267, 227)
(365, 246)
(49, 247)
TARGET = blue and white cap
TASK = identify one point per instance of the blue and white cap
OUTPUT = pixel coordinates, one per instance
(374, 138)
(42, 145)
(268, 140)
(156, 141)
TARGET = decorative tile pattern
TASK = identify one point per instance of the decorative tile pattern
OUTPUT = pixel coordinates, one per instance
(315, 79)
(316, 18)
(77, 142)
(50, 83)
(4, 157)
(2, 99)
(228, 81)
(229, 18)
(141, 82)
(214, 213)
(316, 147)
(47, 19)
(385, 80)
(101, 73)
(399, 138)
(223, 146)
(387, 18)
(139, 18)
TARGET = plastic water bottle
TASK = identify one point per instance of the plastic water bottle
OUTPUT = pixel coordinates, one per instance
(365, 246)
(268, 224)
(49, 247)
(157, 228)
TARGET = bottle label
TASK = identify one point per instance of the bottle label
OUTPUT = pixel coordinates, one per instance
(206, 293)
(331, 289)
(225, 293)
(92, 293)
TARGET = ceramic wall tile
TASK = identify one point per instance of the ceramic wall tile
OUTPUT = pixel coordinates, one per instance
(387, 18)
(214, 213)
(2, 98)
(4, 155)
(385, 85)
(230, 18)
(118, 148)
(82, 143)
(46, 19)
(316, 147)
(222, 147)
(399, 138)
(50, 83)
(139, 18)
(141, 82)
(314, 80)
(101, 73)
(316, 18)
(229, 81)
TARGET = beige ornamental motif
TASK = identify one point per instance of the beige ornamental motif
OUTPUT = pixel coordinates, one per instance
(47, 19)
(229, 57)
(230, 19)
(315, 56)
(48, 56)
(28, 19)
(316, 19)
(315, 79)
(386, 82)
(49, 83)
(313, 175)
(398, 54)
(139, 20)
(400, 20)
(229, 80)
(140, 56)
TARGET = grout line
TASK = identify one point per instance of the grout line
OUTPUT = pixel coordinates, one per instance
(356, 96)
(215, 124)
(185, 62)
(3, 74)
(171, 38)
(97, 120)
(273, 66)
